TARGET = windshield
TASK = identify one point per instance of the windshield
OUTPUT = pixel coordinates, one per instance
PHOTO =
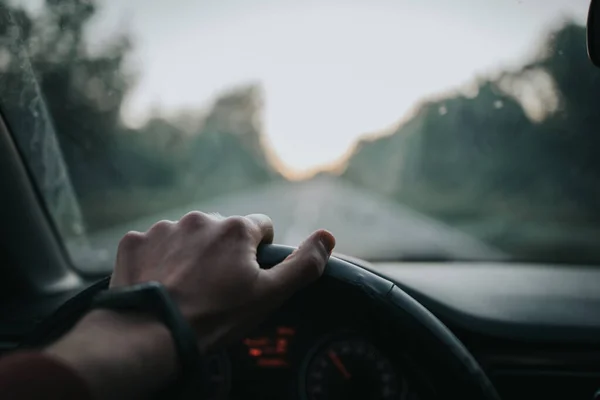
(462, 129)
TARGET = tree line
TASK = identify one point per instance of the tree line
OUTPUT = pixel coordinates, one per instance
(514, 160)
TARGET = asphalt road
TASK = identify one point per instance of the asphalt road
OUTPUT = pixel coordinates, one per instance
(365, 225)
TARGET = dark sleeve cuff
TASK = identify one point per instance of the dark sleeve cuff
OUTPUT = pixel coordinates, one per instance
(33, 375)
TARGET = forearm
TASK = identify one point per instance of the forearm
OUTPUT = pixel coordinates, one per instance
(118, 355)
(33, 375)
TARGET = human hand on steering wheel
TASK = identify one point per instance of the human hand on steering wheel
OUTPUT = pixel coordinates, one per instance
(208, 265)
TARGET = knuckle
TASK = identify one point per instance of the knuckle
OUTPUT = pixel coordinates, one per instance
(236, 226)
(131, 240)
(260, 219)
(161, 226)
(193, 220)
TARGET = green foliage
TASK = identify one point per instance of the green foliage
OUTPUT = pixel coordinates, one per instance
(484, 164)
(119, 173)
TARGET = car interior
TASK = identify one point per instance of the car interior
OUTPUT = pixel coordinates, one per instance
(405, 329)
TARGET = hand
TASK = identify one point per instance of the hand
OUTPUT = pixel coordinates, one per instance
(208, 264)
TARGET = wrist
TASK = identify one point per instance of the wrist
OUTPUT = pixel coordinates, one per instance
(118, 352)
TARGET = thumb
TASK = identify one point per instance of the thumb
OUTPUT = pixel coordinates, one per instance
(305, 265)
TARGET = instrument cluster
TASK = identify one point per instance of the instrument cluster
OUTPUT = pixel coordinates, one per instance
(318, 348)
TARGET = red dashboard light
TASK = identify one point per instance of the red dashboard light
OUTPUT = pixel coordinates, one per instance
(285, 331)
(255, 352)
(270, 349)
(281, 345)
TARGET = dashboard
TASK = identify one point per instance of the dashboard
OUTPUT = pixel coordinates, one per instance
(326, 343)
(535, 330)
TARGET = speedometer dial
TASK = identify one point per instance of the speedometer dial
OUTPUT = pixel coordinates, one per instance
(351, 368)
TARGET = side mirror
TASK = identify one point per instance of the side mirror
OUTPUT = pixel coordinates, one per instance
(593, 32)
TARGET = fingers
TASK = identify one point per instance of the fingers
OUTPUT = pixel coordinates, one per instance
(302, 267)
(161, 228)
(127, 252)
(195, 220)
(265, 232)
(258, 226)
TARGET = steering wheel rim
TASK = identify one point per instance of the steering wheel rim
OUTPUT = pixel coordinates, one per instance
(384, 293)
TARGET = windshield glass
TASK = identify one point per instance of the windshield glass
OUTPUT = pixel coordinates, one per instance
(462, 129)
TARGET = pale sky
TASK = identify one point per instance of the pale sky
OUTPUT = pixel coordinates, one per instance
(332, 70)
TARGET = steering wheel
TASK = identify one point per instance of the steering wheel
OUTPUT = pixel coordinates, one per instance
(463, 377)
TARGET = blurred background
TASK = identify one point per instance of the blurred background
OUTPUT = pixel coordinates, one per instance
(412, 130)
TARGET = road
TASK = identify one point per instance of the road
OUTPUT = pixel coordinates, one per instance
(365, 225)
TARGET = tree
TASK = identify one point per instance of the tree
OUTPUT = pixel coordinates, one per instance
(488, 160)
(115, 169)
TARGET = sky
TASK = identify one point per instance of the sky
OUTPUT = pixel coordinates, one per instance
(332, 70)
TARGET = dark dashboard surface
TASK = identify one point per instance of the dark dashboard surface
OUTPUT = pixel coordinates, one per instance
(517, 301)
(535, 329)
